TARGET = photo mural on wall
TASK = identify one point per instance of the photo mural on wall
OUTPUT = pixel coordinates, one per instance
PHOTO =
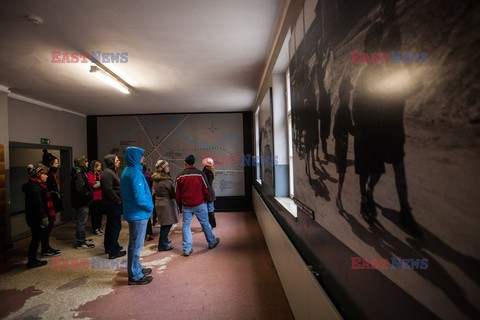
(266, 144)
(386, 128)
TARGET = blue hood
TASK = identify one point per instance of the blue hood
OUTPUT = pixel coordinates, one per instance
(133, 156)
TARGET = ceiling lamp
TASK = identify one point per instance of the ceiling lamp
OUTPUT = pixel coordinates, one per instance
(26, 18)
(111, 78)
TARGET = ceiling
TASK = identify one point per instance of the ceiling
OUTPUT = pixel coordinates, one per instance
(183, 55)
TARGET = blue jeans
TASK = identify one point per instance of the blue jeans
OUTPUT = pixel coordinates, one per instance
(81, 215)
(210, 206)
(135, 244)
(202, 216)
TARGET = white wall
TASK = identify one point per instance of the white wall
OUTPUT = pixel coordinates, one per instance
(29, 122)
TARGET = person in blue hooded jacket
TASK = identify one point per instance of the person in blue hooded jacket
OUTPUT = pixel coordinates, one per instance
(137, 209)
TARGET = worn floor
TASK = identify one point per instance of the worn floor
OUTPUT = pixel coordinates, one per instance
(236, 280)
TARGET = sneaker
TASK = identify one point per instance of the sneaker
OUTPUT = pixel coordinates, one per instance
(211, 246)
(55, 250)
(144, 280)
(35, 264)
(51, 253)
(186, 254)
(166, 249)
(146, 271)
(117, 255)
(86, 245)
(98, 232)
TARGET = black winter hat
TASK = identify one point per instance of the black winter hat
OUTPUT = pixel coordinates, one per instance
(47, 158)
(190, 160)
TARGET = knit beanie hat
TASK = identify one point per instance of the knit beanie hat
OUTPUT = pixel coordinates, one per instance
(33, 171)
(160, 165)
(80, 162)
(47, 158)
(208, 162)
(190, 160)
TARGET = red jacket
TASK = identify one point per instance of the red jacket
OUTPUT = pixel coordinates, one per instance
(97, 192)
(191, 187)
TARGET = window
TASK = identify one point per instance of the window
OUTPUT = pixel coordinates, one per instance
(290, 138)
(257, 144)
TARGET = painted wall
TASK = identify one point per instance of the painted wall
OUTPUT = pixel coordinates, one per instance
(4, 218)
(173, 137)
(28, 123)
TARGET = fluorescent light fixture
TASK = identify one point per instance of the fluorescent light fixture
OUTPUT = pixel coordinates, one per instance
(112, 80)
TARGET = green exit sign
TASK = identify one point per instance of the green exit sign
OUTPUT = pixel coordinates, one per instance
(44, 141)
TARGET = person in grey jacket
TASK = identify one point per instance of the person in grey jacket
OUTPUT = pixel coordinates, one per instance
(112, 200)
(165, 205)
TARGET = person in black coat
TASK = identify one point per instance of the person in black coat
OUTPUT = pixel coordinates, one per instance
(366, 114)
(342, 127)
(209, 172)
(82, 197)
(149, 234)
(36, 211)
(53, 186)
(324, 109)
(112, 200)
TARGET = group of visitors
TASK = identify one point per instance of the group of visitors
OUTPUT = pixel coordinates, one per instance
(96, 190)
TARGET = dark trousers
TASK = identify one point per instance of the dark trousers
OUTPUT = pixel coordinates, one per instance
(96, 211)
(401, 184)
(163, 241)
(149, 227)
(154, 214)
(112, 230)
(46, 235)
(37, 235)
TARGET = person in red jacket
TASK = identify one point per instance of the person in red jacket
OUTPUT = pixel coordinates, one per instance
(191, 193)
(96, 209)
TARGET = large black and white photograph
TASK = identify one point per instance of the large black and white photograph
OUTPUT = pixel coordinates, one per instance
(386, 142)
(266, 144)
